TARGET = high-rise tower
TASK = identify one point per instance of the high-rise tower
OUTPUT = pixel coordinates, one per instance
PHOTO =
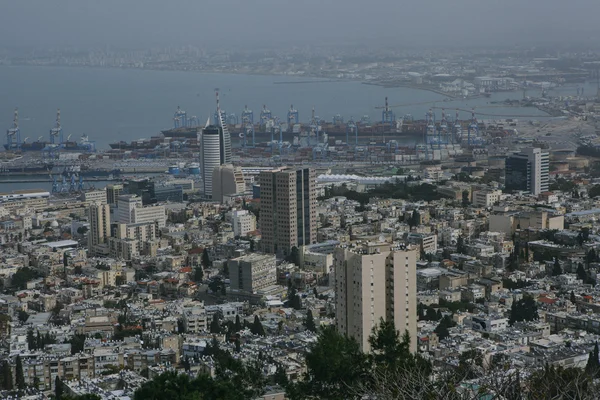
(215, 149)
(287, 209)
(375, 281)
(528, 171)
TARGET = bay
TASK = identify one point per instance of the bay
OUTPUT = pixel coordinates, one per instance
(126, 104)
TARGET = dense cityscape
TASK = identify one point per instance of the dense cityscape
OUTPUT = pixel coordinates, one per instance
(262, 256)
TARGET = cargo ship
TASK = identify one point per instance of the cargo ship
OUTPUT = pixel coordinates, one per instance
(26, 169)
(56, 139)
(88, 172)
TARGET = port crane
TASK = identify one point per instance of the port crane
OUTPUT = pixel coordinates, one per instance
(13, 135)
(265, 115)
(293, 117)
(351, 128)
(387, 115)
(247, 126)
(180, 118)
(56, 133)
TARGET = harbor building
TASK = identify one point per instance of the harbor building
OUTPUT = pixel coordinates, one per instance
(375, 281)
(287, 209)
(528, 171)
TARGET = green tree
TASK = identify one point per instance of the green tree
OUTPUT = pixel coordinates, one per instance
(593, 363)
(333, 366)
(257, 328)
(252, 246)
(294, 256)
(238, 345)
(460, 245)
(415, 219)
(556, 269)
(198, 273)
(205, 259)
(238, 326)
(465, 198)
(523, 310)
(58, 388)
(22, 316)
(442, 330)
(294, 299)
(581, 273)
(186, 237)
(19, 377)
(77, 343)
(6, 376)
(309, 322)
(22, 276)
(215, 326)
(573, 298)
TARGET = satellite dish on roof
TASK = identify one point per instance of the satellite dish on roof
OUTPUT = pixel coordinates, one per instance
(381, 239)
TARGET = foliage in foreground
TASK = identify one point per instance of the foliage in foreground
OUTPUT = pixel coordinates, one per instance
(337, 370)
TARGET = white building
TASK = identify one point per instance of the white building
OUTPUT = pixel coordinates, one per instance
(243, 222)
(215, 145)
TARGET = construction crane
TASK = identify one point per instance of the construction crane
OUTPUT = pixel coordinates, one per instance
(13, 134)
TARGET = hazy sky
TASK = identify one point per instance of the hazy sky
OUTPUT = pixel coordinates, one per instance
(273, 22)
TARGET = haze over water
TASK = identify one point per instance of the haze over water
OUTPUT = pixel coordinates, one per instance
(126, 104)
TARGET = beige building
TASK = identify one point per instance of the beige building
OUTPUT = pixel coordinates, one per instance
(132, 240)
(227, 180)
(99, 218)
(288, 215)
(509, 222)
(486, 198)
(94, 196)
(375, 281)
(253, 272)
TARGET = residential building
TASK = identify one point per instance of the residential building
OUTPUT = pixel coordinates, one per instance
(528, 171)
(131, 211)
(227, 180)
(375, 281)
(94, 196)
(253, 272)
(243, 222)
(99, 218)
(486, 198)
(287, 209)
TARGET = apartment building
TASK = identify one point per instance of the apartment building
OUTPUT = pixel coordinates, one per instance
(375, 281)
